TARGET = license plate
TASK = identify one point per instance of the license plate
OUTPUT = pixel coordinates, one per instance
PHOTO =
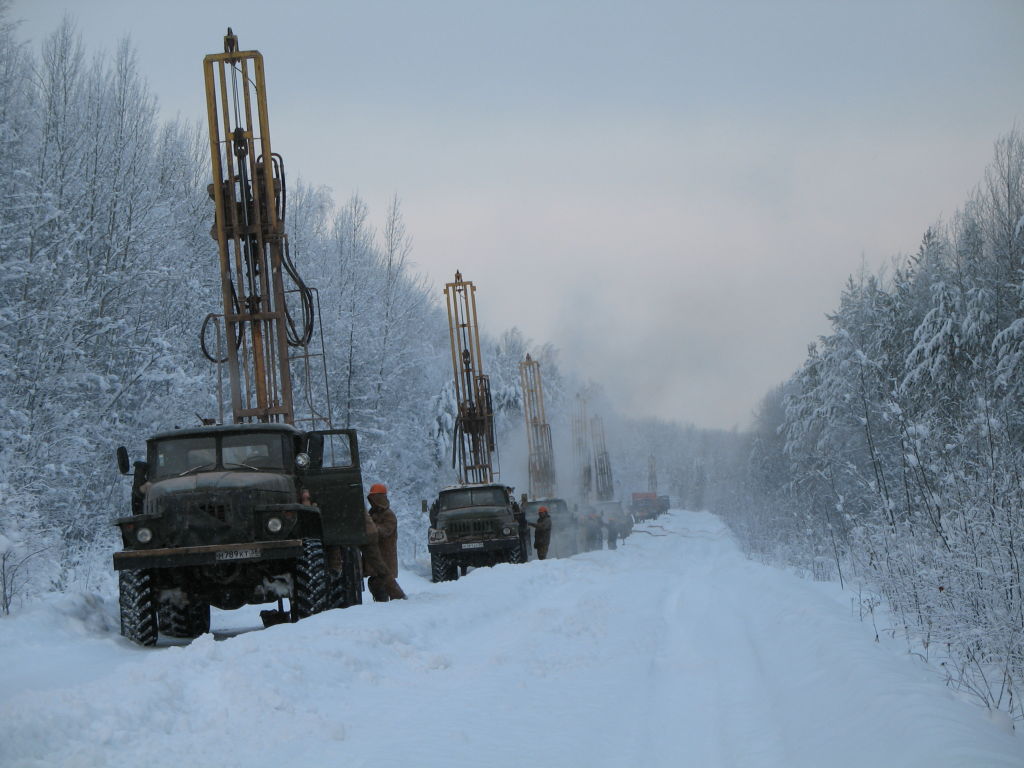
(474, 545)
(238, 554)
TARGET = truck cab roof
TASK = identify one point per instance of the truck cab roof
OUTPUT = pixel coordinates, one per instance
(232, 429)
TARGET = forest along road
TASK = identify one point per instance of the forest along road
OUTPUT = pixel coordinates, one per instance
(674, 650)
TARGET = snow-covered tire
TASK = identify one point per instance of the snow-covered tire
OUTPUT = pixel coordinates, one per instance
(517, 554)
(443, 568)
(310, 581)
(138, 607)
(189, 620)
(347, 585)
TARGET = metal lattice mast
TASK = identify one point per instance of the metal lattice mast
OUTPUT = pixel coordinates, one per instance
(538, 432)
(582, 449)
(474, 427)
(604, 486)
(248, 193)
(652, 474)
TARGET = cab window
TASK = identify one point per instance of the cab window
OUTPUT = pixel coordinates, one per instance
(252, 451)
(182, 455)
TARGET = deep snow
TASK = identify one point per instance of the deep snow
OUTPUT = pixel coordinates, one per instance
(674, 650)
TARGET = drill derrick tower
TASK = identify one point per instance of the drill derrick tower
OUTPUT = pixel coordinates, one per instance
(652, 475)
(604, 488)
(474, 424)
(538, 432)
(249, 195)
(582, 451)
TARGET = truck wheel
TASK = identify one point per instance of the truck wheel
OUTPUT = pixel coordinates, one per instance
(310, 581)
(516, 554)
(347, 585)
(443, 568)
(191, 619)
(138, 607)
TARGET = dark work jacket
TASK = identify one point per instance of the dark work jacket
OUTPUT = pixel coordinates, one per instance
(387, 537)
(542, 535)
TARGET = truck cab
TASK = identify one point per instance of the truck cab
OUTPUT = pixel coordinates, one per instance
(217, 519)
(475, 525)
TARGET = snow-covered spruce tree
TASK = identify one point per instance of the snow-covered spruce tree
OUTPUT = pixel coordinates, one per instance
(903, 449)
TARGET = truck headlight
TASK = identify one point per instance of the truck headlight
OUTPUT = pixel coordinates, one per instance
(144, 535)
(436, 534)
(274, 525)
(506, 531)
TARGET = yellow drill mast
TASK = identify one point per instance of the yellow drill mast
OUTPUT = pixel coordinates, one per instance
(538, 432)
(474, 426)
(249, 195)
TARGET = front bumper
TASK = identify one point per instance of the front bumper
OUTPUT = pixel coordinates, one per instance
(216, 554)
(475, 545)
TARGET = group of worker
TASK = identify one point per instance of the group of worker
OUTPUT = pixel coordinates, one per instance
(596, 529)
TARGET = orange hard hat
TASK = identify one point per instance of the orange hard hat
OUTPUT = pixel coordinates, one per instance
(378, 488)
(542, 509)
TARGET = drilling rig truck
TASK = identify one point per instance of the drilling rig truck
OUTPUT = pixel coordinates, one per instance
(541, 465)
(477, 522)
(269, 507)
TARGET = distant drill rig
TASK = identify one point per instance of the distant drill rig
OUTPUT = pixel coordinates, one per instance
(538, 432)
(604, 486)
(582, 451)
(473, 444)
(477, 522)
(542, 493)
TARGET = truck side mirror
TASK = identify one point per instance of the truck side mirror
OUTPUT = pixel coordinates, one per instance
(122, 460)
(423, 506)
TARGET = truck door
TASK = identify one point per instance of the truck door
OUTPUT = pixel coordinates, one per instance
(335, 482)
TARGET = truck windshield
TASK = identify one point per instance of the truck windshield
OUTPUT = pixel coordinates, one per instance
(252, 451)
(182, 455)
(473, 497)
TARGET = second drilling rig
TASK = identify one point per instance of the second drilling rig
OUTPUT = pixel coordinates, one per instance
(541, 465)
(476, 522)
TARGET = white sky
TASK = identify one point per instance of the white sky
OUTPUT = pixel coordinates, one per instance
(673, 193)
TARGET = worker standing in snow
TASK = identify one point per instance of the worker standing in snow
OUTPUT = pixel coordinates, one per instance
(382, 566)
(611, 525)
(542, 533)
(591, 530)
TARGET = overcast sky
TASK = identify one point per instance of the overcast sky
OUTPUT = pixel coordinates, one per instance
(672, 193)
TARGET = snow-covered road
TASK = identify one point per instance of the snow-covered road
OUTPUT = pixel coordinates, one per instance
(674, 650)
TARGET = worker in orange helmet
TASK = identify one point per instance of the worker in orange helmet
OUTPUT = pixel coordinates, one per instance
(380, 554)
(542, 533)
